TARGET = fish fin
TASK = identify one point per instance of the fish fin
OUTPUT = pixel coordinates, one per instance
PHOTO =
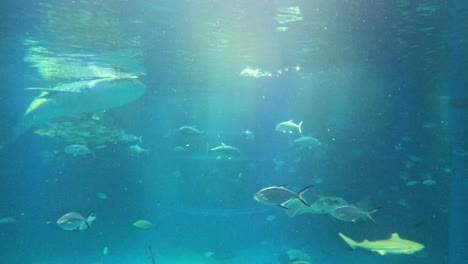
(395, 236)
(348, 241)
(299, 127)
(301, 192)
(92, 213)
(37, 89)
(370, 217)
(381, 252)
(222, 144)
(291, 212)
(88, 224)
(42, 89)
(51, 90)
(283, 204)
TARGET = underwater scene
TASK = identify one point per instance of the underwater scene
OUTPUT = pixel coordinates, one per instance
(233, 132)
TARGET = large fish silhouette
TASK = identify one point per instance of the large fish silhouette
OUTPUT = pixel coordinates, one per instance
(75, 98)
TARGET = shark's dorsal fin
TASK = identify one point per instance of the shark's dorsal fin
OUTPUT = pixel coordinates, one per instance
(381, 252)
(222, 144)
(395, 236)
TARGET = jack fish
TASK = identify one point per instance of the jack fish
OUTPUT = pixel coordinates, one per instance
(75, 221)
(225, 150)
(78, 150)
(351, 213)
(289, 127)
(306, 142)
(279, 195)
(189, 130)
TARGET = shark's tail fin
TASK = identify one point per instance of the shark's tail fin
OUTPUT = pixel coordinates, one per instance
(348, 240)
(299, 127)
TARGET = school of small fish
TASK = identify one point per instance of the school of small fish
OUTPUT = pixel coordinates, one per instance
(293, 203)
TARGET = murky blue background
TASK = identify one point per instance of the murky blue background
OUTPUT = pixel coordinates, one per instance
(379, 83)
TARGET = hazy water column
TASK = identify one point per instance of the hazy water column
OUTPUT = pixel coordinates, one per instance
(459, 192)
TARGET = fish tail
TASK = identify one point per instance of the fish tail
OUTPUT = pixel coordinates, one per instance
(348, 241)
(369, 215)
(299, 127)
(88, 216)
(301, 192)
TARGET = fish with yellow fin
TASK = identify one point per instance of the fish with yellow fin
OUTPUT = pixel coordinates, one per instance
(393, 245)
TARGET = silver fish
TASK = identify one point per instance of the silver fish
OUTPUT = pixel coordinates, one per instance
(130, 138)
(279, 195)
(248, 135)
(289, 127)
(189, 130)
(136, 150)
(351, 213)
(323, 205)
(306, 142)
(75, 221)
(78, 150)
(225, 150)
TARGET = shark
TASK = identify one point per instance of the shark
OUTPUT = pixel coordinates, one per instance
(72, 99)
(393, 245)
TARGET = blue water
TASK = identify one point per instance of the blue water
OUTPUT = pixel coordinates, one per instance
(378, 83)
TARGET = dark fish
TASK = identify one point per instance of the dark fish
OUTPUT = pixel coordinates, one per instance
(351, 213)
(279, 195)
